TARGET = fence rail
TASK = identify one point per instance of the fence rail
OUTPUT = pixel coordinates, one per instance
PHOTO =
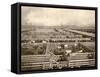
(33, 62)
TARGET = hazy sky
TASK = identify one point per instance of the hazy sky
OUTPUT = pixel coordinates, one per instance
(56, 17)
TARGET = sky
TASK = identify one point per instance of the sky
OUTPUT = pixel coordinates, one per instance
(40, 16)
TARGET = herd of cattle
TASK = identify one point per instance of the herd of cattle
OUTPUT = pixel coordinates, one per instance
(56, 53)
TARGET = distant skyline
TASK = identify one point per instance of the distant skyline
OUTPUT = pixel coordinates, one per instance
(41, 16)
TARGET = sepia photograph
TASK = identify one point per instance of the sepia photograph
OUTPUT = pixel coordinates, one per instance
(57, 38)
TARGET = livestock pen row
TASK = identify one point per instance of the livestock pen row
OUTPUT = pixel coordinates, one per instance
(42, 62)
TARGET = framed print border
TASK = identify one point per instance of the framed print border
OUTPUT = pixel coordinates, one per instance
(16, 36)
